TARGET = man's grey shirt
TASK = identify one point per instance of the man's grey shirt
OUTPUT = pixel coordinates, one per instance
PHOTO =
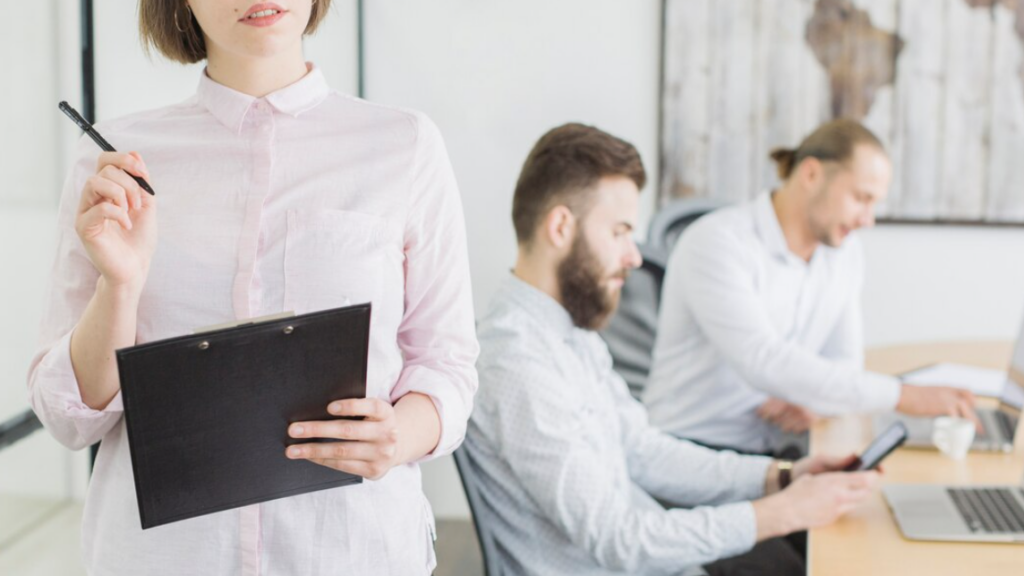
(570, 467)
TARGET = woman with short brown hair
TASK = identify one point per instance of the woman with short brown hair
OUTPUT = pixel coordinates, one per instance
(274, 193)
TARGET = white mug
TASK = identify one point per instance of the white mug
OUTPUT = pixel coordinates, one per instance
(953, 436)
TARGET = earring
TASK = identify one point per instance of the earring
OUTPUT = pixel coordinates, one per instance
(178, 26)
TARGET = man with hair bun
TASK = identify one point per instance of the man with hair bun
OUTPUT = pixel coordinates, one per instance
(760, 324)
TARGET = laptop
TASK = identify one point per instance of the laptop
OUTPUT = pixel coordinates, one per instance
(999, 425)
(967, 513)
(958, 513)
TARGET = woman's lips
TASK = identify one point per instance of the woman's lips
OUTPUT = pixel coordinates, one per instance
(263, 15)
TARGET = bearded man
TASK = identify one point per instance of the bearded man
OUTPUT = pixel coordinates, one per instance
(574, 479)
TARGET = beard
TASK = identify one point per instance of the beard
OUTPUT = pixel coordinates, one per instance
(583, 286)
(829, 235)
(828, 238)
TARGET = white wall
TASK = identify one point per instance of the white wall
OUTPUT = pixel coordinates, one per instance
(29, 123)
(930, 283)
(31, 152)
(38, 466)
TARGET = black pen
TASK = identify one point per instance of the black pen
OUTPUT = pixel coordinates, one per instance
(84, 125)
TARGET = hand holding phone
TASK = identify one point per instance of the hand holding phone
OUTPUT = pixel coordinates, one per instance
(890, 439)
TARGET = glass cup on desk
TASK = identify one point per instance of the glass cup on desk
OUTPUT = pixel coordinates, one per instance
(953, 436)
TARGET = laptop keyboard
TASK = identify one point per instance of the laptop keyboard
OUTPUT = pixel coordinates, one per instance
(990, 510)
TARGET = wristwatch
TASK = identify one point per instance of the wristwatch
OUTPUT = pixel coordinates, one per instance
(785, 473)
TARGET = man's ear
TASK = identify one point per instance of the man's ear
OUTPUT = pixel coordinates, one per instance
(810, 173)
(559, 227)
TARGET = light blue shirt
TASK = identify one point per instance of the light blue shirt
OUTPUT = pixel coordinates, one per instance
(571, 468)
(743, 319)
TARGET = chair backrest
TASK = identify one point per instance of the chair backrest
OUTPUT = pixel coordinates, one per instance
(632, 329)
(469, 475)
(669, 222)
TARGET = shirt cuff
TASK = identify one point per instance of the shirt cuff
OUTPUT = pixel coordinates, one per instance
(881, 392)
(753, 471)
(451, 408)
(57, 400)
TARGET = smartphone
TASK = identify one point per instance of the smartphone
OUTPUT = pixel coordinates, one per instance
(890, 439)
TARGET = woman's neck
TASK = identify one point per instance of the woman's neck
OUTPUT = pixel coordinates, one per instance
(256, 76)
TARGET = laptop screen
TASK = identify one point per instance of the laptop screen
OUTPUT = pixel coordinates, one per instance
(1012, 400)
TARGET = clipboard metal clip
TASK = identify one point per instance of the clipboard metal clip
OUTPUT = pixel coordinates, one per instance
(246, 322)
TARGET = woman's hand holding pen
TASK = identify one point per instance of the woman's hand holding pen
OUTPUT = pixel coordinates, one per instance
(376, 444)
(116, 220)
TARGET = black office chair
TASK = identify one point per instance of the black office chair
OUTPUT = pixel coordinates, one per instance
(672, 219)
(631, 331)
(481, 512)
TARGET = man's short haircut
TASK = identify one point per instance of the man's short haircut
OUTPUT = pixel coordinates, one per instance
(562, 170)
(170, 28)
(833, 141)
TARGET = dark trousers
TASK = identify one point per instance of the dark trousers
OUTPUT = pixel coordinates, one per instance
(775, 557)
(788, 452)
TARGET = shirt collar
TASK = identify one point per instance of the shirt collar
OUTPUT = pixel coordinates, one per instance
(230, 106)
(548, 311)
(769, 229)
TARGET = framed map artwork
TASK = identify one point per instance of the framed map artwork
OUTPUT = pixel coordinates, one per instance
(941, 82)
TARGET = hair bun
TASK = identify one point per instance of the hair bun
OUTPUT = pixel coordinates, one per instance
(784, 158)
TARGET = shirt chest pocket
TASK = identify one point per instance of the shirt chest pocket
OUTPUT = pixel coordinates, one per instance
(335, 258)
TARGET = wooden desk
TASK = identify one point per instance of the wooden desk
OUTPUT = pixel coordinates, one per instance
(868, 542)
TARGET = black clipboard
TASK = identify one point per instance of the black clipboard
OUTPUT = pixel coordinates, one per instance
(207, 414)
